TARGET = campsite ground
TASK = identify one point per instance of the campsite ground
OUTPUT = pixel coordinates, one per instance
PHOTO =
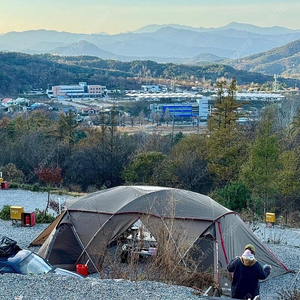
(283, 242)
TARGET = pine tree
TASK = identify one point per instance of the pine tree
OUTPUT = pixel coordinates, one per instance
(225, 146)
(260, 172)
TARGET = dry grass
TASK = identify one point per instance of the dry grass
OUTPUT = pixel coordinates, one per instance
(163, 267)
(289, 294)
(292, 219)
(168, 265)
(163, 129)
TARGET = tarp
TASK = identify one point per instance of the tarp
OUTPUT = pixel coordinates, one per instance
(91, 222)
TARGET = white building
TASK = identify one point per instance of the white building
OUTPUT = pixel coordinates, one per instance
(256, 96)
(82, 90)
(259, 96)
(7, 102)
(203, 108)
(150, 88)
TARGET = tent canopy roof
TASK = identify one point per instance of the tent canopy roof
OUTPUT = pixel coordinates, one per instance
(158, 201)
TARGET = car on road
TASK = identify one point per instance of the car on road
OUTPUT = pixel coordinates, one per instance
(29, 263)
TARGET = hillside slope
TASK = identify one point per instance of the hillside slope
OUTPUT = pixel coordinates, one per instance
(283, 60)
(22, 72)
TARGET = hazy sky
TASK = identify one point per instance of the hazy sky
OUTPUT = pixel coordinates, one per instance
(115, 16)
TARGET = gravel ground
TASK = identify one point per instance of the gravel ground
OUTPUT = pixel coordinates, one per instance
(29, 200)
(48, 287)
(284, 243)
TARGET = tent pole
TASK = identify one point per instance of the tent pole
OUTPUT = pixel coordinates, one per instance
(189, 248)
(84, 249)
(185, 253)
(82, 246)
(181, 257)
(217, 266)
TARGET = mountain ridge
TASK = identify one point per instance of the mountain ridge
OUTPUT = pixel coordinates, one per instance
(284, 60)
(172, 43)
(21, 71)
(232, 25)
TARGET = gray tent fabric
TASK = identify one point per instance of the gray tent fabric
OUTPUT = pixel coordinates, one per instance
(91, 222)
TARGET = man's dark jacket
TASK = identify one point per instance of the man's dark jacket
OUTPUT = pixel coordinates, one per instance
(246, 275)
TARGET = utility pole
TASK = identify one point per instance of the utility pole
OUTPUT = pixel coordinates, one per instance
(275, 83)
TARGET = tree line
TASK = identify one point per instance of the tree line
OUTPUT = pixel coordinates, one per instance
(21, 72)
(253, 166)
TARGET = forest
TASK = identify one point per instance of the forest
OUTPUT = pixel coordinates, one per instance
(21, 72)
(253, 168)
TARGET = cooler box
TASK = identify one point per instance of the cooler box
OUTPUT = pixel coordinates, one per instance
(270, 218)
(16, 212)
(28, 219)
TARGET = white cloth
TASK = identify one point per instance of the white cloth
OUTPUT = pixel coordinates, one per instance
(248, 255)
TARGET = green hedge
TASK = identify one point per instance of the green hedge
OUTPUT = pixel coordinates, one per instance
(5, 213)
(42, 217)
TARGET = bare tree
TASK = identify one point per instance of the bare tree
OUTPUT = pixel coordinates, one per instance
(141, 117)
(132, 121)
(287, 112)
(167, 116)
(157, 117)
(152, 116)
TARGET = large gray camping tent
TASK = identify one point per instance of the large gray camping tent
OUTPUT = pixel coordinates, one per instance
(91, 222)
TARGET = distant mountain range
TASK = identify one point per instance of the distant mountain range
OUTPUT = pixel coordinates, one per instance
(275, 30)
(161, 43)
(284, 61)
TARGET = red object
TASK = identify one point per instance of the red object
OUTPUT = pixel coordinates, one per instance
(82, 269)
(4, 185)
(28, 219)
(32, 218)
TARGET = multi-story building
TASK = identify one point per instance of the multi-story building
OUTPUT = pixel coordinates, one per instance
(82, 90)
(183, 110)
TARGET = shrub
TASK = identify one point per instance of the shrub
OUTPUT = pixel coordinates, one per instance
(35, 187)
(54, 205)
(11, 173)
(235, 195)
(75, 188)
(92, 188)
(289, 294)
(25, 186)
(14, 185)
(42, 217)
(5, 213)
(29, 187)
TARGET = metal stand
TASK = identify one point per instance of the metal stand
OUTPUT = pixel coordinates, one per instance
(14, 222)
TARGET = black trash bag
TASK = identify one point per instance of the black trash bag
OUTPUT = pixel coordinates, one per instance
(8, 247)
